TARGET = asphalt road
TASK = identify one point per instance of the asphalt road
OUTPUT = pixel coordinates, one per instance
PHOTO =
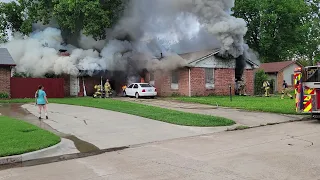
(287, 151)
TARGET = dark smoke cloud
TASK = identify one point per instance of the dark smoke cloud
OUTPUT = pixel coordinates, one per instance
(146, 29)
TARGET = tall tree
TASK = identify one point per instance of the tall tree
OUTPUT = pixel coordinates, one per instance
(72, 16)
(274, 26)
(11, 19)
(310, 49)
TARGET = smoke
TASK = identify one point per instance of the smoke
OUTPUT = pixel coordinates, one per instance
(229, 30)
(150, 35)
(88, 42)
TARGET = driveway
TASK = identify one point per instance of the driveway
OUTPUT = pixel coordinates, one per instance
(241, 117)
(282, 152)
(107, 129)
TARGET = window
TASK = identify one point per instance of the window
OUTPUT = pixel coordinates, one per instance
(130, 86)
(175, 80)
(209, 78)
(135, 86)
(145, 85)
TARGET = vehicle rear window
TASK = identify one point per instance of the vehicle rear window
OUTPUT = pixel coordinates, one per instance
(145, 85)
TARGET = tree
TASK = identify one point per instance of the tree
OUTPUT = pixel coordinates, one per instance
(72, 16)
(309, 50)
(11, 18)
(274, 26)
(259, 78)
(91, 16)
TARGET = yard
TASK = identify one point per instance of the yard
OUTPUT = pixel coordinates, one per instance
(151, 112)
(18, 137)
(251, 103)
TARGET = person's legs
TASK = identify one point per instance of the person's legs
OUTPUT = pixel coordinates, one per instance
(45, 111)
(40, 109)
(266, 91)
(288, 94)
(282, 94)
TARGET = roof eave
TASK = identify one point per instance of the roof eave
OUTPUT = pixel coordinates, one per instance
(204, 57)
(8, 65)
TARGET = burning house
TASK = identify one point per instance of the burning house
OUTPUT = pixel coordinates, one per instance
(205, 73)
(159, 41)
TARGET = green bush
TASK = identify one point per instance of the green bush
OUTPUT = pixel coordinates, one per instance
(175, 94)
(259, 78)
(4, 95)
(21, 75)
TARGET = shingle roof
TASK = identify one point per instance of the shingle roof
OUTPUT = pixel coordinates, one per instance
(5, 58)
(275, 66)
(193, 56)
(201, 55)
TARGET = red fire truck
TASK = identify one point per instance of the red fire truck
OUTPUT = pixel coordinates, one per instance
(307, 90)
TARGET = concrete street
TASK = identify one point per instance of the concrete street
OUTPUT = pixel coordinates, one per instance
(287, 151)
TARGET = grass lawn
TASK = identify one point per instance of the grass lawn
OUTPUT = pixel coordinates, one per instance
(156, 113)
(18, 137)
(264, 104)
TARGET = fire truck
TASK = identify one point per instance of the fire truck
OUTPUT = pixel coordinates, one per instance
(307, 90)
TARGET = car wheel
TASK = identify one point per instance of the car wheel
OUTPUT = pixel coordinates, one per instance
(137, 95)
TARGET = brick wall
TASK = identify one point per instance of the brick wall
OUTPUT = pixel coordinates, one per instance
(280, 81)
(184, 82)
(197, 76)
(66, 85)
(249, 79)
(5, 74)
(222, 79)
(163, 83)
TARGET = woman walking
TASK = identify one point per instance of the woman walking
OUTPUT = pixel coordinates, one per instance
(41, 101)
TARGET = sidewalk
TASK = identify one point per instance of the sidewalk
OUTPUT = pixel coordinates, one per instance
(108, 129)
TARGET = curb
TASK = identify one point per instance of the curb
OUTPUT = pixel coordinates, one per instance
(30, 156)
(64, 157)
(269, 124)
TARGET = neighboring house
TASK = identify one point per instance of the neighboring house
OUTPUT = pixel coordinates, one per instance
(205, 74)
(6, 64)
(279, 71)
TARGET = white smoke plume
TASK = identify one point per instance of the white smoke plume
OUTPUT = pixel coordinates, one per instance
(147, 30)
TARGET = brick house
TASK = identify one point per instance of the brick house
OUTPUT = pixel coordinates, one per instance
(279, 71)
(6, 64)
(205, 74)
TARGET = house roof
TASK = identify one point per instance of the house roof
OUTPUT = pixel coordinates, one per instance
(195, 57)
(275, 66)
(5, 58)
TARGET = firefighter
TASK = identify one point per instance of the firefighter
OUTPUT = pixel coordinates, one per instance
(285, 90)
(242, 87)
(98, 91)
(237, 87)
(124, 90)
(107, 88)
(266, 86)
